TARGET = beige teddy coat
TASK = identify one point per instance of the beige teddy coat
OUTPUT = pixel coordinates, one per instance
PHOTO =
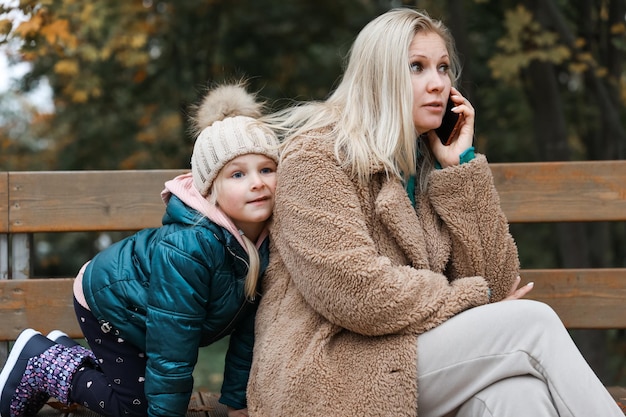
(356, 274)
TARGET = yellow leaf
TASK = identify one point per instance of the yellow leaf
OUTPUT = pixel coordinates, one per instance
(148, 136)
(5, 26)
(580, 42)
(87, 12)
(30, 27)
(24, 4)
(66, 67)
(58, 32)
(89, 53)
(170, 122)
(578, 68)
(618, 28)
(138, 40)
(80, 96)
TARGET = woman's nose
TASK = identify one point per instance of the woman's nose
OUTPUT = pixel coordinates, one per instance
(436, 82)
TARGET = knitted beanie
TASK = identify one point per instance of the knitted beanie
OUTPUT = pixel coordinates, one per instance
(228, 128)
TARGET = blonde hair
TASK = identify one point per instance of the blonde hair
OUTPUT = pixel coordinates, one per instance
(370, 112)
(254, 260)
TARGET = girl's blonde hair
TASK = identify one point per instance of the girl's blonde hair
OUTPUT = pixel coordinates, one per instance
(226, 125)
(370, 112)
(254, 260)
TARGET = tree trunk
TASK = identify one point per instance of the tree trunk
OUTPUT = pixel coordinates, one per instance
(458, 26)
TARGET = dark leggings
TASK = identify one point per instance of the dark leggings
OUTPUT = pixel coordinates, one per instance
(116, 386)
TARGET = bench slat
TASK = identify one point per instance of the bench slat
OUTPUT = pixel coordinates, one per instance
(562, 191)
(43, 304)
(583, 298)
(70, 201)
(206, 402)
(201, 404)
(529, 192)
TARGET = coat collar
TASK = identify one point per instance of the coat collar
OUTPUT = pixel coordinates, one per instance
(396, 212)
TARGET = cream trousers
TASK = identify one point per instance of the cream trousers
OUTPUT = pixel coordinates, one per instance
(507, 359)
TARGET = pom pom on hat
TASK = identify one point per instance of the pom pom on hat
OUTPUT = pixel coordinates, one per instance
(227, 127)
(227, 100)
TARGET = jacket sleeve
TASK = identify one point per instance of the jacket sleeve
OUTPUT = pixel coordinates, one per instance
(176, 310)
(321, 234)
(238, 362)
(466, 200)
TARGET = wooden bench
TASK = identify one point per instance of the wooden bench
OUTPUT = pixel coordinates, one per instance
(78, 201)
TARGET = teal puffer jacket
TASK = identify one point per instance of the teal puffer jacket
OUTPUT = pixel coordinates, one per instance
(171, 290)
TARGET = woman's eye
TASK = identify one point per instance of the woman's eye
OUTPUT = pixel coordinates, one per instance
(415, 67)
(237, 175)
(267, 171)
(444, 68)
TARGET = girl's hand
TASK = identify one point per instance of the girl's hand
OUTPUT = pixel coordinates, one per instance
(517, 293)
(232, 412)
(449, 155)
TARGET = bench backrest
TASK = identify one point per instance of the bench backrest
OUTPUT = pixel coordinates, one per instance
(588, 191)
(33, 202)
(63, 201)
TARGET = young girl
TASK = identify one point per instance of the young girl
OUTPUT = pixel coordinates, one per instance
(147, 303)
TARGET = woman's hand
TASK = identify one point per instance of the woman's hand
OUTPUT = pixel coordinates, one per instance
(232, 412)
(517, 293)
(449, 155)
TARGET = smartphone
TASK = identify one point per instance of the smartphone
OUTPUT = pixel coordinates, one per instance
(449, 125)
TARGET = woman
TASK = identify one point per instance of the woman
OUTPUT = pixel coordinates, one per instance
(391, 257)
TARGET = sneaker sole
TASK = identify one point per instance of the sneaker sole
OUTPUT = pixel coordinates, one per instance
(9, 366)
(57, 336)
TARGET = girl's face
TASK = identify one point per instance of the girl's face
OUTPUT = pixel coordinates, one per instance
(429, 65)
(245, 190)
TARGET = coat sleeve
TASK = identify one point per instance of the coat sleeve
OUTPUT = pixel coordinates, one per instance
(466, 200)
(176, 310)
(238, 362)
(321, 234)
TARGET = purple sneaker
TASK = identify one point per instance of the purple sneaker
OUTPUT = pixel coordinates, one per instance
(29, 344)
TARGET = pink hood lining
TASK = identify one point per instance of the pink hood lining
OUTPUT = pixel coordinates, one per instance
(183, 188)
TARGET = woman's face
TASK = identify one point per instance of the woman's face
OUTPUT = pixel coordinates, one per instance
(429, 65)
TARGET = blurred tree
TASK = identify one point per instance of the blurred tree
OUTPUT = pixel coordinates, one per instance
(123, 74)
(20, 139)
